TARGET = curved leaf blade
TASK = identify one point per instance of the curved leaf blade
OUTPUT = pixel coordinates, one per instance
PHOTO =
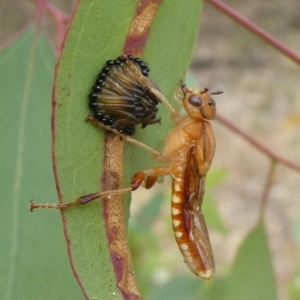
(34, 263)
(177, 289)
(252, 274)
(98, 33)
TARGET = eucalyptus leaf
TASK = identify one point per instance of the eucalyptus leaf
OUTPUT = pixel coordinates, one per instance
(177, 289)
(98, 33)
(34, 262)
(252, 275)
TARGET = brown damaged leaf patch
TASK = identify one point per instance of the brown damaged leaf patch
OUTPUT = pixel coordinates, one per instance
(113, 166)
(142, 21)
(115, 219)
(140, 27)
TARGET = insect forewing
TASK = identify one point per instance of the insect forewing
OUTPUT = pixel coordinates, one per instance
(203, 264)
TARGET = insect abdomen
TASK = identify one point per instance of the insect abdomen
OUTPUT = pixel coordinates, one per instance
(198, 261)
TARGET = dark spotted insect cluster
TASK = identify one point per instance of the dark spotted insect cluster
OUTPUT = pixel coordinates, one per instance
(123, 97)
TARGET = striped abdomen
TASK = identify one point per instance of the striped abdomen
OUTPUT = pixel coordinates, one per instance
(188, 222)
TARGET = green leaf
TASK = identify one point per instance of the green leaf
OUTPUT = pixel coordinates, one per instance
(145, 244)
(252, 274)
(34, 262)
(210, 211)
(296, 229)
(212, 289)
(214, 178)
(149, 212)
(177, 289)
(97, 34)
(211, 214)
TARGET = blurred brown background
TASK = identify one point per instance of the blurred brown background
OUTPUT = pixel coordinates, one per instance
(261, 96)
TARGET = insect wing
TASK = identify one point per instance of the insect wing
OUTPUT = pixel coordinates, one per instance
(194, 185)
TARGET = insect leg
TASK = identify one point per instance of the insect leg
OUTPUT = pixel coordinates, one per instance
(149, 176)
(94, 121)
(79, 201)
(164, 100)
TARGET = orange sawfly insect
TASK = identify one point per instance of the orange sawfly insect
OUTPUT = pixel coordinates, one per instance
(122, 95)
(187, 155)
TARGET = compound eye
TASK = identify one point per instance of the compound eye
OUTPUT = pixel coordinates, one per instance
(195, 100)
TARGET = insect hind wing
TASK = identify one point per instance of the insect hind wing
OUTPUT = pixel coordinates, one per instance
(203, 262)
